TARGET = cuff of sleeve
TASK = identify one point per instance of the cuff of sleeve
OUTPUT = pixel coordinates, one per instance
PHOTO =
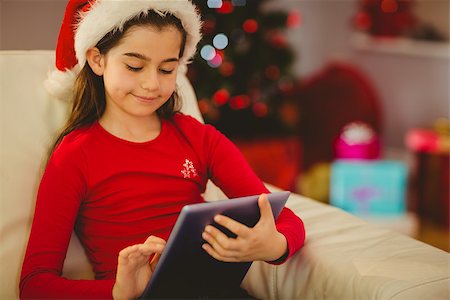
(282, 259)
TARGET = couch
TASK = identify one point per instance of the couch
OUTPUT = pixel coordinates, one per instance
(343, 258)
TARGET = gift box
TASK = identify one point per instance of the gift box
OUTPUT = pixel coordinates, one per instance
(364, 187)
(357, 140)
(430, 176)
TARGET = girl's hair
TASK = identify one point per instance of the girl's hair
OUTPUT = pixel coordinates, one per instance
(89, 100)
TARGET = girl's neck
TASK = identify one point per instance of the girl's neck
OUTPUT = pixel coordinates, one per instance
(132, 129)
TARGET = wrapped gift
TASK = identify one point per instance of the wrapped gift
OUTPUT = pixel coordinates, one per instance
(357, 140)
(430, 176)
(365, 187)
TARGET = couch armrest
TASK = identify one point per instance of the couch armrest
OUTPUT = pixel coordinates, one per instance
(347, 258)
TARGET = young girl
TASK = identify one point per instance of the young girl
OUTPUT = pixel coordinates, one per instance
(127, 162)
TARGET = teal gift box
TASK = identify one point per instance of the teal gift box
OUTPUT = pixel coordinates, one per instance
(369, 187)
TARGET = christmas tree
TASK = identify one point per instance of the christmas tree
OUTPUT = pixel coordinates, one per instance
(242, 70)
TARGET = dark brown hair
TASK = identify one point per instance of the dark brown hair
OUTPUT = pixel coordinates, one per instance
(89, 100)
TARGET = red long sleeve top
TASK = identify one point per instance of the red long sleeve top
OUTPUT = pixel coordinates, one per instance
(115, 193)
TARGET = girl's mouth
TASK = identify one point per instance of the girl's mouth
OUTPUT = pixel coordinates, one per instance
(145, 99)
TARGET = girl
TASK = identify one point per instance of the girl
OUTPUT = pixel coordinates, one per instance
(127, 162)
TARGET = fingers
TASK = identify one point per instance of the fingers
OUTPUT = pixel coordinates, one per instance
(253, 243)
(235, 227)
(133, 268)
(154, 261)
(265, 208)
(132, 256)
(218, 239)
(143, 251)
(219, 255)
(153, 244)
(222, 247)
(155, 239)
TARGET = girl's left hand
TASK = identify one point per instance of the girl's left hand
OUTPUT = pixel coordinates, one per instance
(262, 242)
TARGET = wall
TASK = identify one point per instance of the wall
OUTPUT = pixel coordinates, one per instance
(413, 89)
(30, 24)
(323, 34)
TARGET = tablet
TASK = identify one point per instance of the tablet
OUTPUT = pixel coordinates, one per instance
(185, 270)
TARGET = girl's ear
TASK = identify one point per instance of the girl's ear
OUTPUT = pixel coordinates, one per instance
(96, 60)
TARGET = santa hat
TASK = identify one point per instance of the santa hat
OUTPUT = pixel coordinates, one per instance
(86, 22)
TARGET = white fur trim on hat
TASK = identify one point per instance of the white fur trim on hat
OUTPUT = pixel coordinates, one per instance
(107, 15)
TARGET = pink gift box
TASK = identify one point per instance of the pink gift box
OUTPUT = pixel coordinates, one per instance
(357, 141)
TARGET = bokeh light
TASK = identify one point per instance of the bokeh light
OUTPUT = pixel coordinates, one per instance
(260, 109)
(220, 41)
(250, 26)
(294, 19)
(239, 102)
(227, 68)
(226, 8)
(216, 61)
(214, 3)
(221, 97)
(208, 52)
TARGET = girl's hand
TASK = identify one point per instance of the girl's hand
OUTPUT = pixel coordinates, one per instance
(262, 242)
(134, 269)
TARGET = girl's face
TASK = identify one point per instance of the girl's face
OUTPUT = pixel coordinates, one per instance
(139, 73)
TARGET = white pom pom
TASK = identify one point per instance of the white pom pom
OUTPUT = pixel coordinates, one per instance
(59, 84)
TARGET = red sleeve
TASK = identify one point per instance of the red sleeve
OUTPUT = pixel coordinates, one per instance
(229, 170)
(62, 188)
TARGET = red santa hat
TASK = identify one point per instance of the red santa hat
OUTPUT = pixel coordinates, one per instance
(86, 22)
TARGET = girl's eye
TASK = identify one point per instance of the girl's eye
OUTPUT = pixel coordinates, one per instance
(166, 71)
(133, 69)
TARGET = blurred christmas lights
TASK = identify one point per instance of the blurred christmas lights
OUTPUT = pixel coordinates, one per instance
(216, 61)
(220, 41)
(226, 8)
(227, 68)
(250, 26)
(239, 102)
(208, 52)
(294, 19)
(214, 3)
(203, 105)
(233, 35)
(260, 109)
(221, 97)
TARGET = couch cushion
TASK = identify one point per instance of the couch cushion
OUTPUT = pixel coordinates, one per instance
(28, 119)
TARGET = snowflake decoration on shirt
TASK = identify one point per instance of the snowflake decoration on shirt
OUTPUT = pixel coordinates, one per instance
(188, 169)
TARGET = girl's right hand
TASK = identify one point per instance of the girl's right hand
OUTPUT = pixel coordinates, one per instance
(134, 269)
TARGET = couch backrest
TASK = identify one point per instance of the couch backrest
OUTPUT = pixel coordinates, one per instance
(29, 120)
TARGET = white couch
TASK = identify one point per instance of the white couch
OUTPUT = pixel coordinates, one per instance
(343, 258)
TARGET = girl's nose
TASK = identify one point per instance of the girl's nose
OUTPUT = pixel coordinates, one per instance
(149, 80)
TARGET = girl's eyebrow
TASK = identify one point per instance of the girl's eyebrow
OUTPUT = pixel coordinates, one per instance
(143, 57)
